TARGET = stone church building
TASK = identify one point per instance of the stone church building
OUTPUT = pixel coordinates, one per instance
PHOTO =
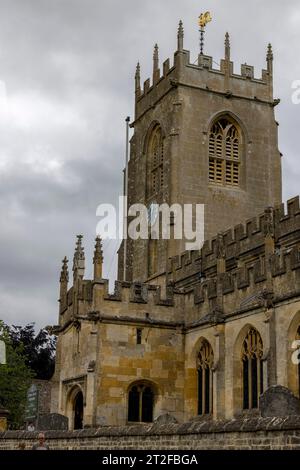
(190, 333)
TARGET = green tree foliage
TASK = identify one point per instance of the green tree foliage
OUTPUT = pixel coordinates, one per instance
(28, 356)
(39, 349)
(15, 378)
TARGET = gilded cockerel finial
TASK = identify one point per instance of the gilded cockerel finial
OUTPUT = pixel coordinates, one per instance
(204, 18)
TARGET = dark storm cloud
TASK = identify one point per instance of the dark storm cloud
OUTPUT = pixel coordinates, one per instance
(67, 68)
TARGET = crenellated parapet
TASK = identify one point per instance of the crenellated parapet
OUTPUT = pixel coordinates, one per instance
(203, 75)
(129, 299)
(287, 220)
(245, 243)
(255, 264)
(247, 288)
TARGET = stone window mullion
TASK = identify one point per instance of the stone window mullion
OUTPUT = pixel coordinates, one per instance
(140, 403)
(203, 391)
(211, 390)
(224, 158)
(205, 383)
(258, 378)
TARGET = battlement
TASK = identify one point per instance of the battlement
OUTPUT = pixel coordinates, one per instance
(96, 292)
(140, 293)
(246, 286)
(203, 75)
(129, 299)
(251, 261)
(243, 277)
(204, 63)
(241, 243)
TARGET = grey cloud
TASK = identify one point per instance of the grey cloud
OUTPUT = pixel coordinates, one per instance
(68, 66)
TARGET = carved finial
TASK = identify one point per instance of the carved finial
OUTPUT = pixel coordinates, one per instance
(270, 59)
(64, 279)
(155, 58)
(270, 52)
(138, 77)
(79, 258)
(64, 275)
(98, 259)
(204, 18)
(155, 64)
(180, 36)
(227, 47)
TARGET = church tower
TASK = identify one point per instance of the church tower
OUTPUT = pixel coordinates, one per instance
(202, 135)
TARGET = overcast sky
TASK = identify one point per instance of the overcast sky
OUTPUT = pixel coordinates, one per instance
(66, 71)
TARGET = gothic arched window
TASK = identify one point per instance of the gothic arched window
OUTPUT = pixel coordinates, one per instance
(224, 153)
(252, 352)
(140, 403)
(155, 162)
(205, 378)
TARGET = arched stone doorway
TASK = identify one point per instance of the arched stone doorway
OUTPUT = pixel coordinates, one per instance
(75, 408)
(78, 411)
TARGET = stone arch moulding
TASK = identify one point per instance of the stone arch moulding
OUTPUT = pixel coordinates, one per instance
(149, 132)
(197, 345)
(72, 389)
(150, 383)
(231, 115)
(76, 382)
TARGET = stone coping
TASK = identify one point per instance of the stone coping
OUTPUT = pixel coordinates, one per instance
(196, 426)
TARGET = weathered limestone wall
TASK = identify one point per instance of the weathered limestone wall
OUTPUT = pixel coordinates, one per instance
(254, 434)
(167, 358)
(159, 359)
(119, 362)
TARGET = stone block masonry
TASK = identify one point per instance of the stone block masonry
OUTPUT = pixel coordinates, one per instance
(237, 434)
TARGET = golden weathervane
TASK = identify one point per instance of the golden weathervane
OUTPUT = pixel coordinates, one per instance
(204, 18)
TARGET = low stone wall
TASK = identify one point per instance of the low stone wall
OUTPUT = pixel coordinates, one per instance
(244, 433)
